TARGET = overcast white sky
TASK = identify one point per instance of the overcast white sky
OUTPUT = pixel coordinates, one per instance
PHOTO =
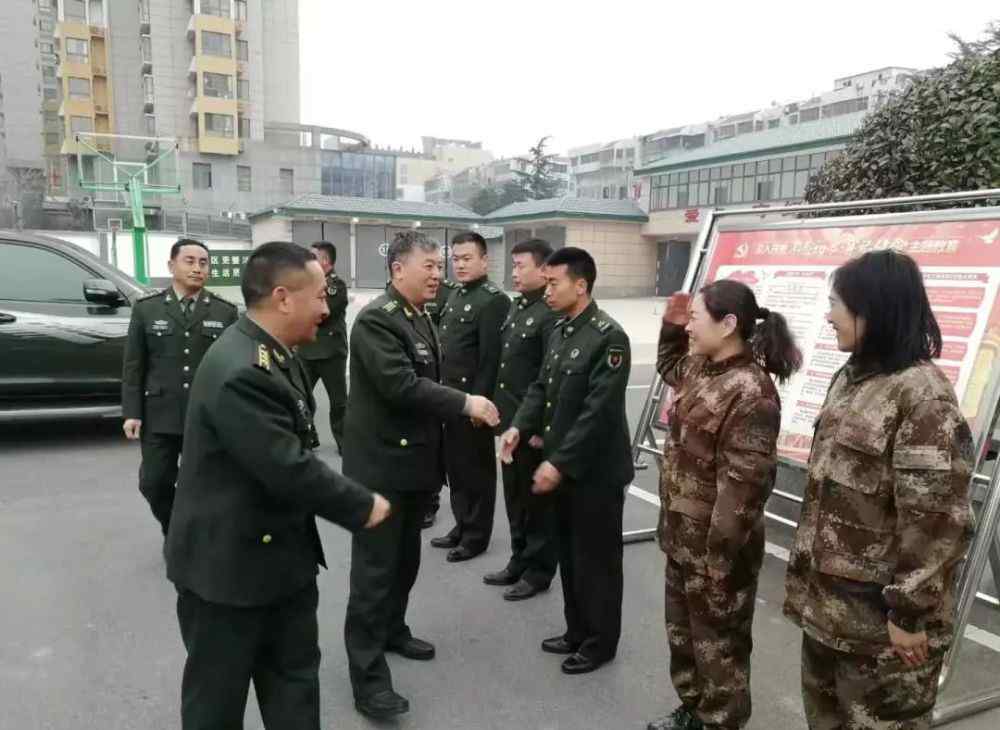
(508, 72)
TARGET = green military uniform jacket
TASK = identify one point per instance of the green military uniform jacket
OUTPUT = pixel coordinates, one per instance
(436, 308)
(331, 338)
(524, 339)
(392, 428)
(577, 404)
(162, 352)
(243, 531)
(470, 337)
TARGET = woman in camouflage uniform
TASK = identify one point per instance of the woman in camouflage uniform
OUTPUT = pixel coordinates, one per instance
(718, 470)
(886, 520)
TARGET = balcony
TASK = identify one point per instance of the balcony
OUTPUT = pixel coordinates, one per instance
(97, 31)
(148, 101)
(97, 68)
(101, 107)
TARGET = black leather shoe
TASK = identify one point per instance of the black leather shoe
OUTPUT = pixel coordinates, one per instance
(579, 664)
(382, 705)
(462, 553)
(505, 577)
(445, 541)
(521, 591)
(412, 648)
(428, 521)
(558, 645)
(679, 719)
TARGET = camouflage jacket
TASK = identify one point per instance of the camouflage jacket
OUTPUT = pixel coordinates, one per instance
(886, 516)
(720, 459)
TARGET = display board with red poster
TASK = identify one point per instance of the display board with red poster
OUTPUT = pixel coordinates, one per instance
(789, 266)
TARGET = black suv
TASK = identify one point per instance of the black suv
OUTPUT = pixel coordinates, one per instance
(64, 316)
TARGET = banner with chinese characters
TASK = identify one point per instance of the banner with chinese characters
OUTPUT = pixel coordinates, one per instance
(790, 271)
(226, 267)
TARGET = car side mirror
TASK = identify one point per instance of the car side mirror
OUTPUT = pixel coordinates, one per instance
(102, 291)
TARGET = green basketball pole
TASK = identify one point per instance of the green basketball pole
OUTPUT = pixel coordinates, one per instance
(138, 231)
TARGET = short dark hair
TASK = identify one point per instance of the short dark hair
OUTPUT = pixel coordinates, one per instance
(886, 289)
(268, 264)
(180, 243)
(471, 237)
(403, 244)
(326, 247)
(537, 247)
(579, 264)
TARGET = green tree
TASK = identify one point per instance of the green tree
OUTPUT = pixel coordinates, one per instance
(489, 199)
(538, 178)
(942, 134)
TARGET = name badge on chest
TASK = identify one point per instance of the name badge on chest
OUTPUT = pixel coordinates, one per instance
(160, 325)
(212, 324)
(422, 350)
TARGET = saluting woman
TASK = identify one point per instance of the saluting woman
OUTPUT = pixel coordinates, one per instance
(718, 352)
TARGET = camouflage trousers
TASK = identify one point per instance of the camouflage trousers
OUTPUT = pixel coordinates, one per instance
(856, 692)
(709, 627)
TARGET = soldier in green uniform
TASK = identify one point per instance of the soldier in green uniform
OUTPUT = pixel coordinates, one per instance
(470, 339)
(531, 517)
(243, 548)
(577, 406)
(434, 309)
(326, 358)
(393, 442)
(168, 335)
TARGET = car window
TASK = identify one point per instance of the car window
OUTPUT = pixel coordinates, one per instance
(32, 274)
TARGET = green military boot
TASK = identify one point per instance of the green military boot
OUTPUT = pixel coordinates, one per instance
(679, 719)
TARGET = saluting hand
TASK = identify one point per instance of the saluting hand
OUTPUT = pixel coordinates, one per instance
(381, 509)
(677, 309)
(132, 428)
(547, 478)
(508, 443)
(482, 409)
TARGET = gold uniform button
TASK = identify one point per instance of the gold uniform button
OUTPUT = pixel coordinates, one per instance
(404, 442)
(266, 539)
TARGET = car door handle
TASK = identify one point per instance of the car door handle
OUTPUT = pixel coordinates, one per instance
(7, 318)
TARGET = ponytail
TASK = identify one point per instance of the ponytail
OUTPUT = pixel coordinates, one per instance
(773, 345)
(765, 332)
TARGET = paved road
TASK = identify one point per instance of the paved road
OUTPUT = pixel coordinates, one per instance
(89, 640)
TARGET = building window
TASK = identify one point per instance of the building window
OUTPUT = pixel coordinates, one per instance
(219, 125)
(720, 196)
(45, 4)
(46, 25)
(81, 124)
(201, 174)
(361, 174)
(79, 88)
(244, 127)
(46, 48)
(50, 94)
(147, 88)
(96, 12)
(48, 73)
(150, 121)
(242, 51)
(286, 181)
(589, 159)
(146, 48)
(219, 8)
(77, 50)
(52, 138)
(219, 86)
(243, 89)
(241, 10)
(809, 115)
(244, 182)
(765, 190)
(57, 182)
(75, 10)
(216, 44)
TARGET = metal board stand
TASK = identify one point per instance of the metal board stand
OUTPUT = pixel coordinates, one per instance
(985, 548)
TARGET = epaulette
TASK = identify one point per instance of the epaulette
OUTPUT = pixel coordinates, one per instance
(491, 288)
(560, 322)
(262, 358)
(451, 284)
(150, 295)
(602, 325)
(391, 306)
(216, 298)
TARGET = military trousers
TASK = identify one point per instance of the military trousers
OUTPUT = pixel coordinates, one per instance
(471, 463)
(590, 547)
(844, 691)
(532, 520)
(384, 564)
(275, 646)
(333, 372)
(709, 629)
(158, 472)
